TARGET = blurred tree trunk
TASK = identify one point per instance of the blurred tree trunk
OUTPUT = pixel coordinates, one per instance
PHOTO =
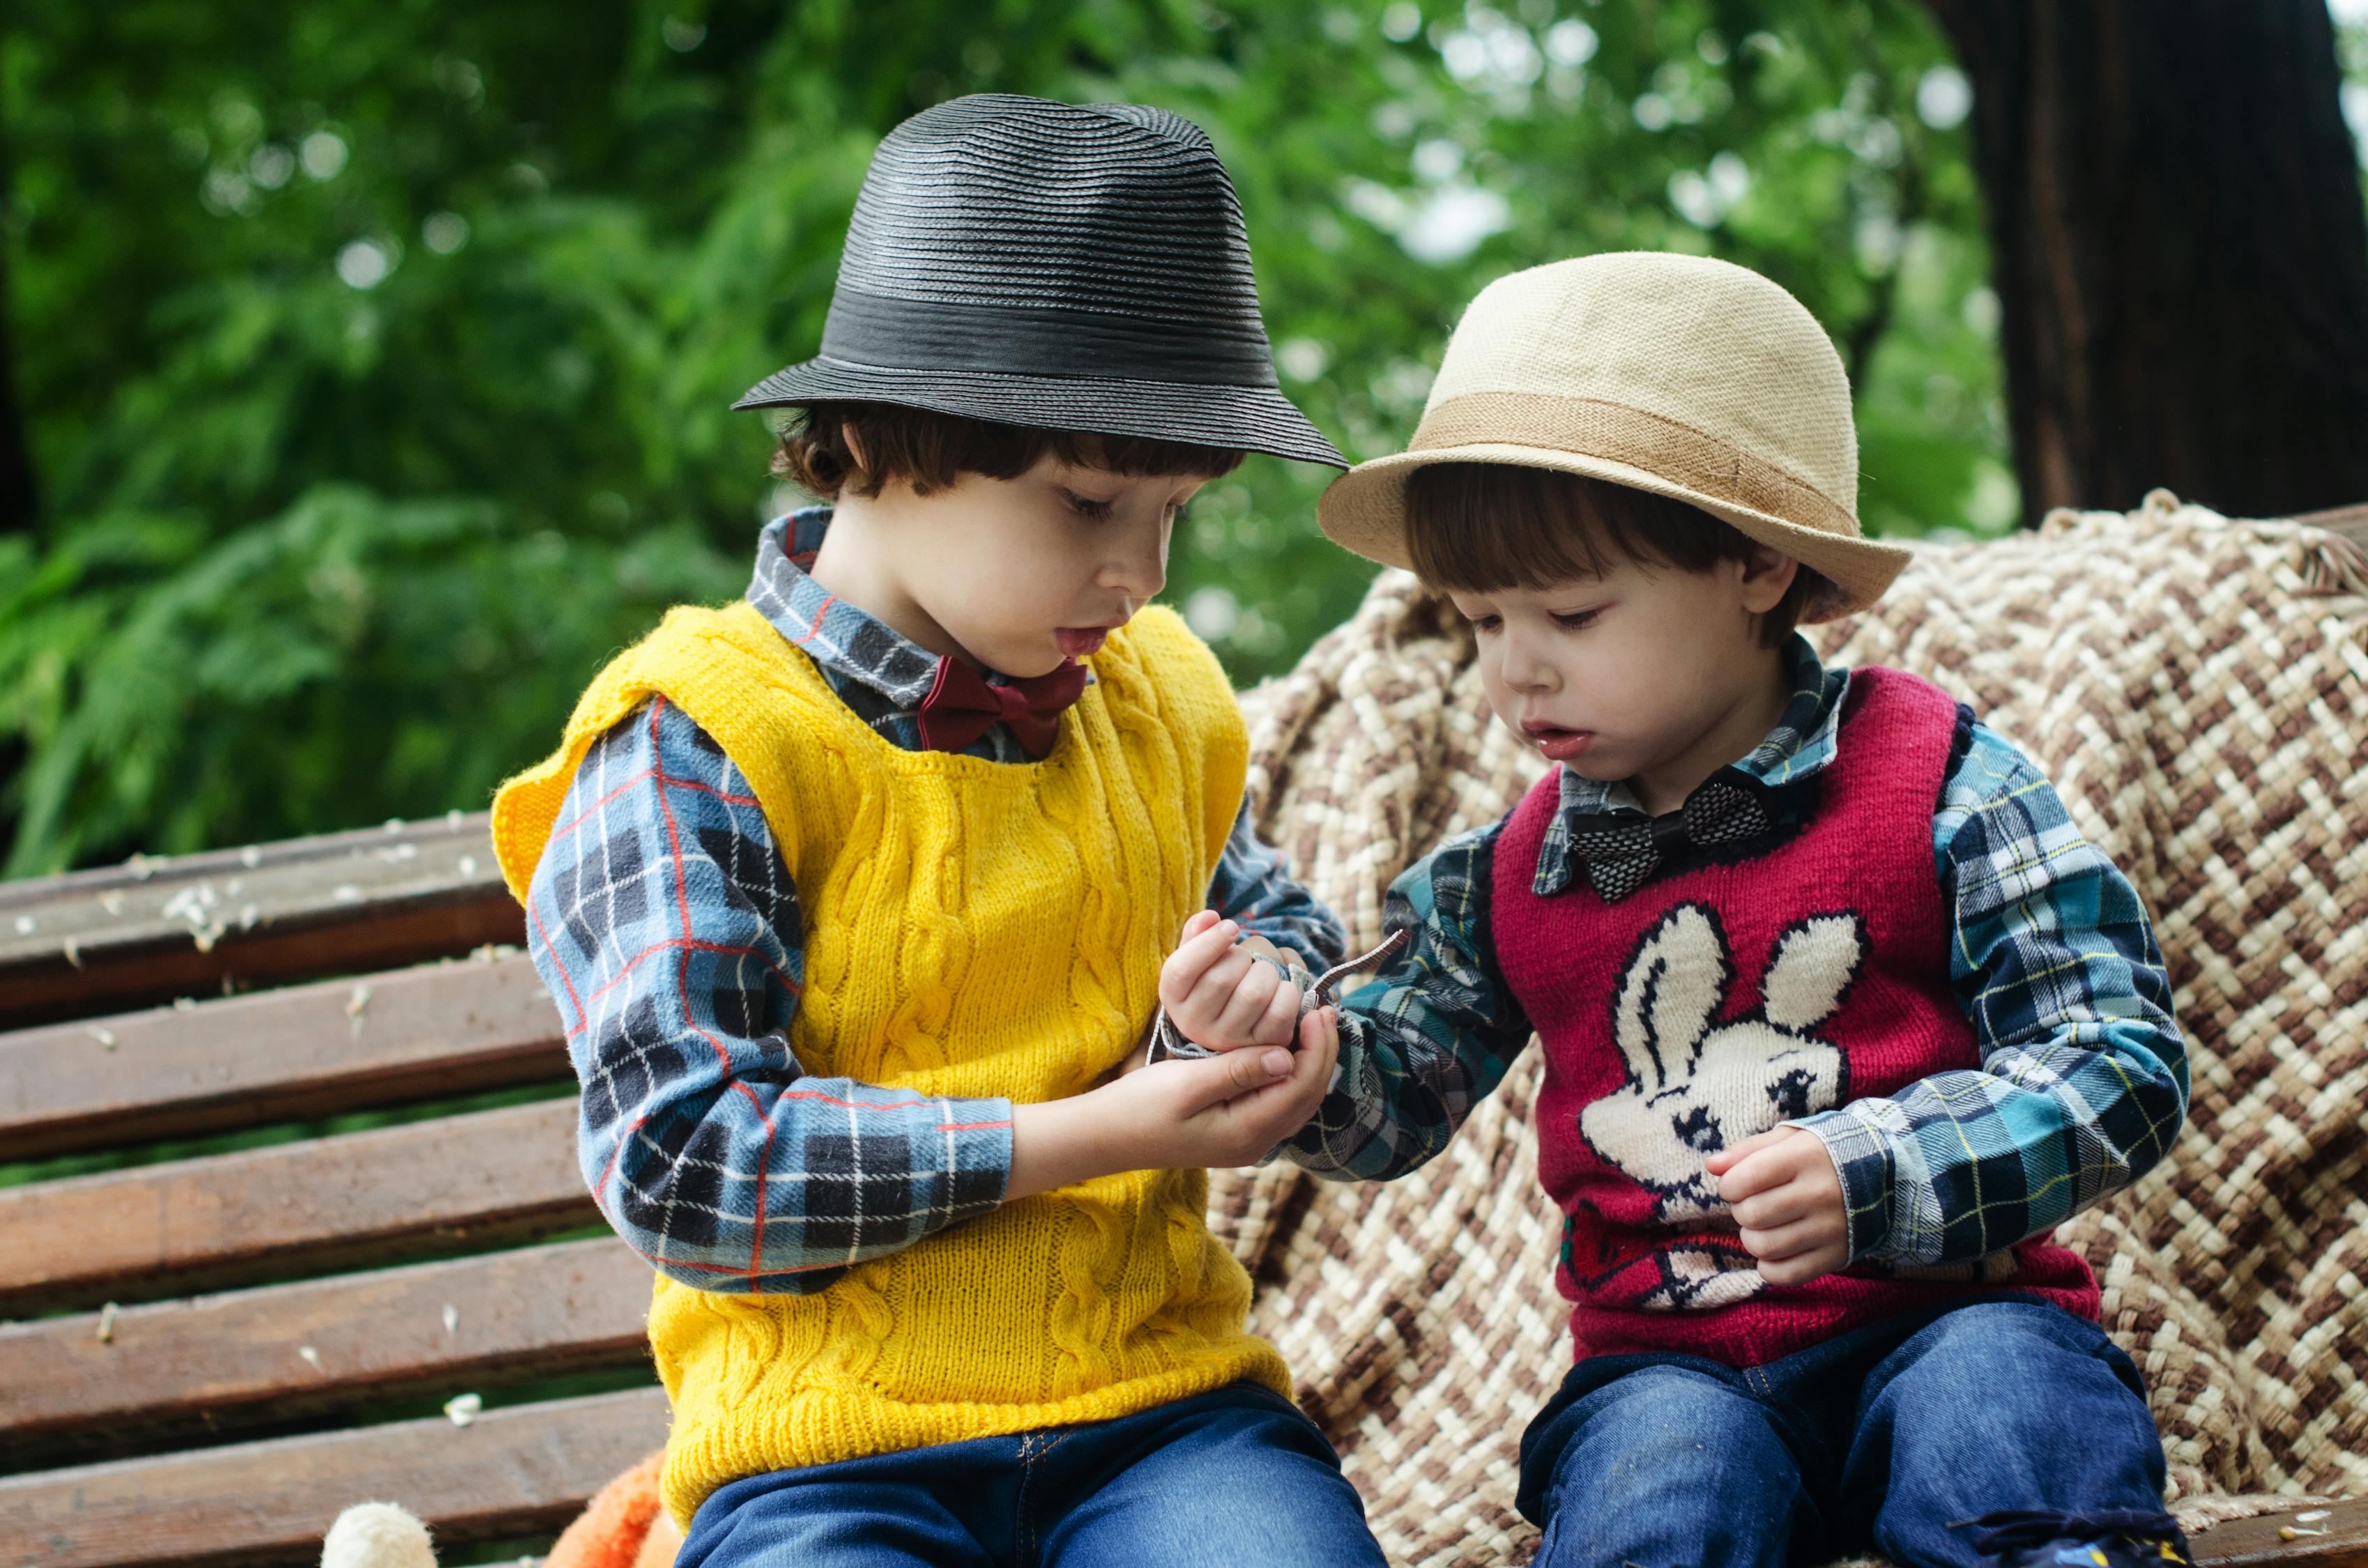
(2180, 249)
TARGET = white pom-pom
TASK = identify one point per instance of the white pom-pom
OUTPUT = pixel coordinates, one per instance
(377, 1535)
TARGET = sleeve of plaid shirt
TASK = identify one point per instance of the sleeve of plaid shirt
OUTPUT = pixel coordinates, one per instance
(2084, 1078)
(669, 932)
(1253, 884)
(1430, 1037)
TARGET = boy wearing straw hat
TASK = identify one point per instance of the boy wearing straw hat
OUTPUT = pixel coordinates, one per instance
(854, 893)
(1840, 1013)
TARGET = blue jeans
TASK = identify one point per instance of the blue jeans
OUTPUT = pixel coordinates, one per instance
(1234, 1476)
(1878, 1439)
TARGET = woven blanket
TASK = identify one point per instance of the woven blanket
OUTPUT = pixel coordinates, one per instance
(2198, 690)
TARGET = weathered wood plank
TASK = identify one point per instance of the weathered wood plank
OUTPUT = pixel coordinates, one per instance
(2333, 1537)
(350, 1202)
(153, 929)
(442, 1028)
(509, 1472)
(286, 1351)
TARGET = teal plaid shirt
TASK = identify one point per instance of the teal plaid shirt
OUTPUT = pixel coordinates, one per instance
(2084, 1077)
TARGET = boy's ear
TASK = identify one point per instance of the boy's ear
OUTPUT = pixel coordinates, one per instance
(1767, 576)
(854, 443)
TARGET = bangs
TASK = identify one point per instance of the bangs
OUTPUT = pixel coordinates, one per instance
(1486, 528)
(932, 451)
(1483, 527)
(1136, 456)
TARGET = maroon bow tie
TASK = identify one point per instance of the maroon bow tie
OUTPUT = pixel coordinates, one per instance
(961, 707)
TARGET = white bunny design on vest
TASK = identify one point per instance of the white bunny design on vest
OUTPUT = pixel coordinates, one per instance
(1694, 1088)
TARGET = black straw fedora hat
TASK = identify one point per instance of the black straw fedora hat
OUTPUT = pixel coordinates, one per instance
(1062, 266)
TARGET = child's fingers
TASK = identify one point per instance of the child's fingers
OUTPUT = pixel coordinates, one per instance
(1311, 1069)
(1229, 1075)
(1202, 1014)
(1278, 1107)
(1193, 959)
(1321, 1038)
(1773, 1244)
(1319, 1032)
(1197, 922)
(1779, 1205)
(1726, 1159)
(1251, 942)
(1276, 1111)
(1761, 1170)
(1246, 1007)
(1804, 1267)
(1247, 1126)
(1278, 1025)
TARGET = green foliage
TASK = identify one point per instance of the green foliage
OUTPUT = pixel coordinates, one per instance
(376, 355)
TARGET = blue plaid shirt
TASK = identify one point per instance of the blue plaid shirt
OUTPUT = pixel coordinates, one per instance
(2083, 1082)
(666, 928)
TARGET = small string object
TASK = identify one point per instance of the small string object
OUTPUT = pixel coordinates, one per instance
(1314, 990)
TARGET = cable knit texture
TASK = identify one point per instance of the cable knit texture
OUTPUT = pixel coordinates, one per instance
(974, 930)
(1722, 1000)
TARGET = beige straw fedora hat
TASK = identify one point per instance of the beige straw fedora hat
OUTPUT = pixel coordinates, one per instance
(1676, 374)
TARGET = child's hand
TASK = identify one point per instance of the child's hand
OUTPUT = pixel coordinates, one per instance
(1220, 995)
(1227, 1109)
(1231, 1109)
(1787, 1198)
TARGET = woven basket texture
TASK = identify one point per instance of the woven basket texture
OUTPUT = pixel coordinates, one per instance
(2197, 689)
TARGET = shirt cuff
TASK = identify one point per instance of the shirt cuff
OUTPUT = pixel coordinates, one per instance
(974, 1164)
(1860, 1152)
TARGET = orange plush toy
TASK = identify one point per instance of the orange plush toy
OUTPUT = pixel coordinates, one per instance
(624, 1527)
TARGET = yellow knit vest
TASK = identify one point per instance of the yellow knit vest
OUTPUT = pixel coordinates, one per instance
(972, 929)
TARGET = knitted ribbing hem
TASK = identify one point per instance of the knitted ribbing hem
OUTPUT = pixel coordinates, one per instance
(824, 1425)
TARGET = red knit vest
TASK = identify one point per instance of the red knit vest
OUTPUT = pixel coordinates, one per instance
(1721, 1000)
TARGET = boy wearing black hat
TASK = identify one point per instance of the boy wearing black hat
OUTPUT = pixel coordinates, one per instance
(853, 893)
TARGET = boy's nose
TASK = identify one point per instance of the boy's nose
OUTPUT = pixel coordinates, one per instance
(1526, 667)
(1137, 580)
(1138, 568)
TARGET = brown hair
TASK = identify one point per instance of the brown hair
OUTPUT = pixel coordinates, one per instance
(1485, 527)
(931, 450)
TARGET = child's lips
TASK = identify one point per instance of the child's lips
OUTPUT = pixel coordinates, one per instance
(1079, 641)
(1558, 744)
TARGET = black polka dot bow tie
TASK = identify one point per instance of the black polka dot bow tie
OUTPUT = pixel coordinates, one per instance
(1621, 849)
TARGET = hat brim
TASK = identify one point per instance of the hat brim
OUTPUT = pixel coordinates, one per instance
(1364, 511)
(1243, 418)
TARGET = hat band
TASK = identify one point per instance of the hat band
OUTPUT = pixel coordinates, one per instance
(936, 334)
(1619, 433)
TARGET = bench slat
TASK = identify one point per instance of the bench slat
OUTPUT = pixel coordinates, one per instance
(442, 1029)
(152, 930)
(168, 1370)
(363, 1198)
(511, 1472)
(2255, 1543)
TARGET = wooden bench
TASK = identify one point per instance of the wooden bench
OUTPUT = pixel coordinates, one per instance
(185, 1046)
(179, 1079)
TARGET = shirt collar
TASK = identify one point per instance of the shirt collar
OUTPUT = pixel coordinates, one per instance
(1802, 744)
(844, 641)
